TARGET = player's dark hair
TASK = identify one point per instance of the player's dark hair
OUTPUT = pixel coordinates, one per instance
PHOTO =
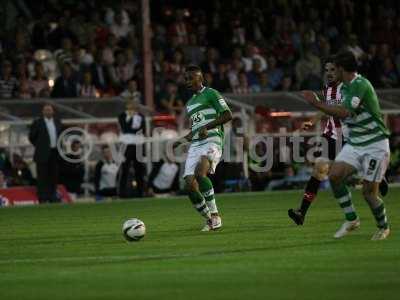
(329, 59)
(346, 60)
(193, 68)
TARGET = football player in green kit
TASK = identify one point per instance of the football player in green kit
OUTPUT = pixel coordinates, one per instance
(208, 112)
(367, 148)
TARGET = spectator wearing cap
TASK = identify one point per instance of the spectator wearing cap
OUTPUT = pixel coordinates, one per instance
(8, 83)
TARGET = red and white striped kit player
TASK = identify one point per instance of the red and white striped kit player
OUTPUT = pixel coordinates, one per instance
(333, 128)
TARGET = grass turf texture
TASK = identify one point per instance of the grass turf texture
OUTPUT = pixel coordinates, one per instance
(77, 251)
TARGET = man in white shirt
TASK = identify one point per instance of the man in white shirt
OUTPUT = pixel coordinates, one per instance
(105, 176)
(43, 135)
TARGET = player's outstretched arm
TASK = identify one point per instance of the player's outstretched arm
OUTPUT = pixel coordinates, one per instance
(332, 110)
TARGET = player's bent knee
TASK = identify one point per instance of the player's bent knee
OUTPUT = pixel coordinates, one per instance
(335, 177)
(321, 169)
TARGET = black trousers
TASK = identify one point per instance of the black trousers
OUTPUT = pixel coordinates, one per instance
(47, 178)
(140, 174)
(108, 192)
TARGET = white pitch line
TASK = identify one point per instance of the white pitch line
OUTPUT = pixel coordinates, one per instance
(93, 258)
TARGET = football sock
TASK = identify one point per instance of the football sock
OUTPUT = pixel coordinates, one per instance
(343, 196)
(310, 193)
(200, 204)
(207, 190)
(380, 216)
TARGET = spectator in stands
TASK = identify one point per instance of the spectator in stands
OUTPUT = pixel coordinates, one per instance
(209, 79)
(99, 72)
(132, 125)
(274, 73)
(64, 54)
(88, 89)
(211, 63)
(308, 71)
(21, 175)
(243, 86)
(164, 177)
(131, 92)
(5, 163)
(121, 71)
(287, 84)
(119, 28)
(59, 33)
(110, 49)
(179, 29)
(233, 74)
(39, 84)
(389, 76)
(3, 181)
(221, 79)
(193, 52)
(231, 168)
(72, 169)
(105, 175)
(66, 85)
(258, 178)
(263, 85)
(170, 101)
(253, 76)
(43, 135)
(8, 83)
(24, 92)
(250, 56)
(355, 48)
(76, 62)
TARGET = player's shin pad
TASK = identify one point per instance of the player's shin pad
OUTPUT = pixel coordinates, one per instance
(207, 191)
(343, 195)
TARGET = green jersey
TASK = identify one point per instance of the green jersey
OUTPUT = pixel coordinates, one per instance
(204, 107)
(365, 125)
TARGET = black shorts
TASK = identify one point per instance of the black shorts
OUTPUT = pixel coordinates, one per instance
(334, 147)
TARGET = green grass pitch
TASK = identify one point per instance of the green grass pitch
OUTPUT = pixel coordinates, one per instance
(77, 251)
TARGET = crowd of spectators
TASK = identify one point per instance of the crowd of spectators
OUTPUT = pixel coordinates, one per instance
(93, 48)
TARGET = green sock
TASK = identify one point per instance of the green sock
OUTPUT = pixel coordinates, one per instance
(380, 216)
(200, 204)
(343, 196)
(207, 190)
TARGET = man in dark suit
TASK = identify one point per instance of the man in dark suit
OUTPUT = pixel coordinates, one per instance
(99, 72)
(43, 135)
(66, 85)
(132, 124)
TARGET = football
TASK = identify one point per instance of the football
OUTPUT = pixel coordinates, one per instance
(133, 230)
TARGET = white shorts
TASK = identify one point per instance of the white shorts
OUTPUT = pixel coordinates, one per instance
(210, 150)
(370, 161)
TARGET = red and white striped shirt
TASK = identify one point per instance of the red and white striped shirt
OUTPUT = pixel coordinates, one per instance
(332, 96)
